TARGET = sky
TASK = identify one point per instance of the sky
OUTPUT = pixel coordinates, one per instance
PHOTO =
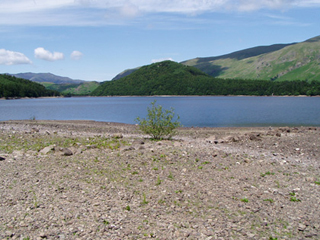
(97, 39)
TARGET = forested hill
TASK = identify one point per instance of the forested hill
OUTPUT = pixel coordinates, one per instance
(171, 78)
(12, 87)
(163, 78)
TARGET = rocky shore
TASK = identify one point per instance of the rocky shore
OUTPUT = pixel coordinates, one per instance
(93, 180)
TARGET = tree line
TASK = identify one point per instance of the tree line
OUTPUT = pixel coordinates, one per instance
(12, 87)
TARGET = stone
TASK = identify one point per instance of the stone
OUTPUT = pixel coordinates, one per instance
(46, 150)
(234, 139)
(310, 179)
(35, 130)
(254, 137)
(117, 135)
(67, 152)
(301, 227)
(128, 149)
(211, 139)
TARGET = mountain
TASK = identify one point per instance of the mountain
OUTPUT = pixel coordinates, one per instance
(12, 87)
(171, 78)
(293, 61)
(296, 61)
(47, 77)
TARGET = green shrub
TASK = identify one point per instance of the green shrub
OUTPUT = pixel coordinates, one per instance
(159, 123)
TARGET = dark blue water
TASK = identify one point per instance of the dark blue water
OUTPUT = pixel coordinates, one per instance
(193, 111)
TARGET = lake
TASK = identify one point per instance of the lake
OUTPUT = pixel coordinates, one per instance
(207, 111)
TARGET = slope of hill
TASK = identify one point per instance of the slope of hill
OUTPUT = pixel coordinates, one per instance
(171, 78)
(12, 87)
(298, 61)
(81, 89)
(125, 73)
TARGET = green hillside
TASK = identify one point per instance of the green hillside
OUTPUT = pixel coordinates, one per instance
(12, 87)
(81, 89)
(299, 61)
(171, 78)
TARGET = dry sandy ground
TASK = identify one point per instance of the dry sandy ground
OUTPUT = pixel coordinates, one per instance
(92, 180)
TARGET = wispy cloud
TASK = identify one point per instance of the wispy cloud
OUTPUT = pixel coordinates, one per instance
(44, 54)
(93, 12)
(12, 58)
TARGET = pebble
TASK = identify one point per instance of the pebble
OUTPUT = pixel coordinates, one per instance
(301, 227)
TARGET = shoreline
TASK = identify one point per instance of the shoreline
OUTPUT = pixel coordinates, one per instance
(164, 96)
(90, 122)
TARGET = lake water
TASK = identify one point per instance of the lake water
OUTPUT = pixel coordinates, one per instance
(193, 111)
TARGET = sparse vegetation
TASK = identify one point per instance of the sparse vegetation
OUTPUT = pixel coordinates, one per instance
(268, 200)
(159, 123)
(266, 173)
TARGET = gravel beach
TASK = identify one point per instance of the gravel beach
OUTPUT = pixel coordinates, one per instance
(97, 180)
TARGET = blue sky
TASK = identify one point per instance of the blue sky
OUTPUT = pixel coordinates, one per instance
(97, 39)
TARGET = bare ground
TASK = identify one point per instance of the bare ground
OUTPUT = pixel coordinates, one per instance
(93, 180)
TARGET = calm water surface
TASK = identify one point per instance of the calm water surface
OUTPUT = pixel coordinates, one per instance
(193, 111)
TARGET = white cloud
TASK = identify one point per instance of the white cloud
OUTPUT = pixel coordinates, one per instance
(252, 5)
(161, 60)
(76, 55)
(92, 12)
(19, 6)
(44, 54)
(12, 58)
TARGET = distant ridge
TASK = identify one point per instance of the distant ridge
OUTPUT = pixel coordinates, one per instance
(64, 85)
(47, 77)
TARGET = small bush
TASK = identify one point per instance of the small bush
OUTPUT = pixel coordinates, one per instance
(159, 123)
